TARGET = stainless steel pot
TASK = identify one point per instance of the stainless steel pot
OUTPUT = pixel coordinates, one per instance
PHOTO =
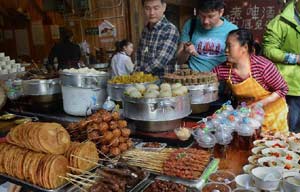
(157, 126)
(158, 109)
(37, 87)
(202, 94)
(116, 91)
(100, 65)
(87, 81)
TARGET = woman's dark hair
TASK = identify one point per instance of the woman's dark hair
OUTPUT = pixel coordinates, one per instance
(121, 44)
(210, 5)
(162, 1)
(245, 37)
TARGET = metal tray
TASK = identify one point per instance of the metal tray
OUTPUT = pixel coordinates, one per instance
(30, 186)
(141, 147)
(198, 183)
(149, 182)
(33, 187)
(136, 188)
(140, 184)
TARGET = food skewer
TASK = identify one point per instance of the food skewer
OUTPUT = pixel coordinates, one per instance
(84, 159)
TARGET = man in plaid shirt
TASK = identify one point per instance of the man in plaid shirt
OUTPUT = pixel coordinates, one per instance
(158, 44)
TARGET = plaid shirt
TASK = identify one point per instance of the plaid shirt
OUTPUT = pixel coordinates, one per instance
(157, 48)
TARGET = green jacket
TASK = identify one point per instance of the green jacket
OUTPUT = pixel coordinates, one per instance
(281, 38)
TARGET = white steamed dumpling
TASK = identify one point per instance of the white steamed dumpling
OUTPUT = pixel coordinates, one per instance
(128, 90)
(178, 92)
(140, 87)
(176, 85)
(165, 86)
(135, 94)
(153, 86)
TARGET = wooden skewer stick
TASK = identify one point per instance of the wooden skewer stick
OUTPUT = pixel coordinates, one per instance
(81, 171)
(84, 159)
(99, 151)
(79, 187)
(81, 178)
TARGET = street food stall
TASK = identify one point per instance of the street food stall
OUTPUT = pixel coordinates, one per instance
(84, 130)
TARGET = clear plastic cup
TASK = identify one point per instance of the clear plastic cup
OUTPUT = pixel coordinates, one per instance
(216, 186)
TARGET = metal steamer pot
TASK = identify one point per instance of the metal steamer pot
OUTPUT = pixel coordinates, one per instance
(157, 114)
(206, 93)
(202, 95)
(36, 87)
(82, 92)
(115, 91)
(36, 94)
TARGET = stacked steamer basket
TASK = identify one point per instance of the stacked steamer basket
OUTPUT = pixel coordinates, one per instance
(156, 108)
(203, 87)
(83, 89)
(8, 66)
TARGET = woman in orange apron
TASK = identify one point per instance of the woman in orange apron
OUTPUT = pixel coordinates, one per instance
(254, 79)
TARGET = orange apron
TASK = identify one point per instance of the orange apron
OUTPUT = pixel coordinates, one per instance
(251, 91)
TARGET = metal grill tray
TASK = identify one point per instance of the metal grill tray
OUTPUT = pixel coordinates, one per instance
(33, 187)
(196, 183)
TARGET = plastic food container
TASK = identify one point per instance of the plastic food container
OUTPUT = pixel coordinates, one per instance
(215, 186)
(223, 176)
(204, 139)
(151, 146)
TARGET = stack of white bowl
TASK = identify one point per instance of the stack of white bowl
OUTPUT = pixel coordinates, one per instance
(8, 66)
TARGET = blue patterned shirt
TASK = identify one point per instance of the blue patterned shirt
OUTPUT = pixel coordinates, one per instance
(157, 48)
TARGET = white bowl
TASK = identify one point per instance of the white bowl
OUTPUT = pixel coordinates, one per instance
(247, 168)
(294, 144)
(259, 143)
(292, 183)
(254, 159)
(257, 150)
(244, 181)
(277, 144)
(292, 156)
(266, 178)
(270, 162)
(274, 152)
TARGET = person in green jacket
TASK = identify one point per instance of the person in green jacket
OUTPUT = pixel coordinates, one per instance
(281, 44)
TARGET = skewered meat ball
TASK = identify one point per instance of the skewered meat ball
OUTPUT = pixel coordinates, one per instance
(116, 133)
(122, 123)
(106, 117)
(125, 132)
(108, 135)
(122, 139)
(103, 126)
(104, 149)
(113, 125)
(123, 147)
(129, 143)
(115, 151)
(96, 118)
(93, 135)
(115, 116)
(115, 142)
